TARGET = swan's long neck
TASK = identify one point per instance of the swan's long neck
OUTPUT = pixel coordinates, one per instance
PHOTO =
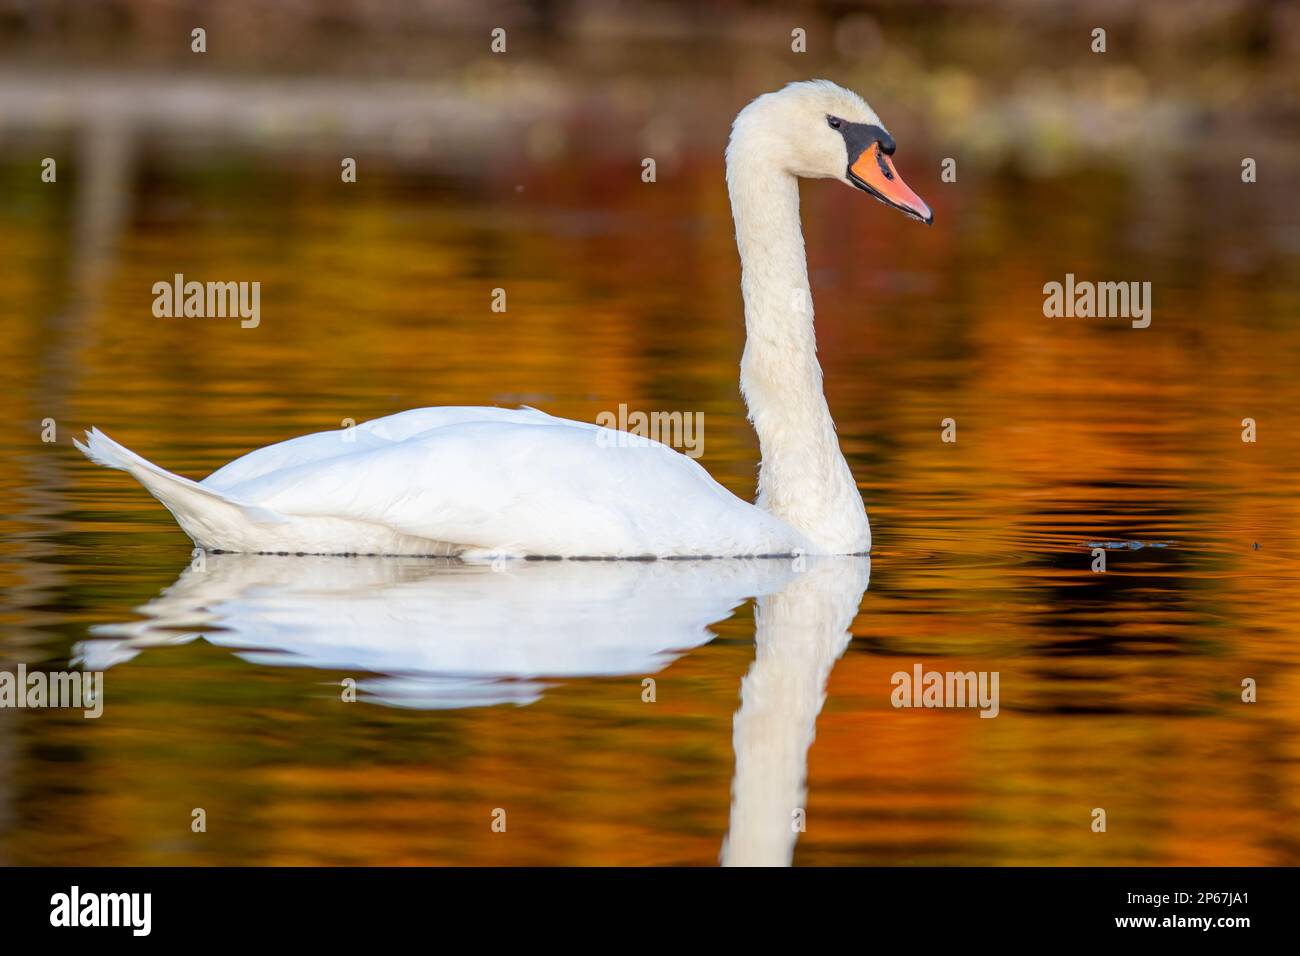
(803, 478)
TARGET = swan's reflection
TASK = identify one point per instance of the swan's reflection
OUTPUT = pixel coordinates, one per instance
(438, 634)
(445, 634)
(801, 632)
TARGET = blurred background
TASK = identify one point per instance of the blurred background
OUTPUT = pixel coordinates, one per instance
(522, 171)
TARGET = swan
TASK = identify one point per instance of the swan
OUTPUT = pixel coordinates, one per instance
(494, 482)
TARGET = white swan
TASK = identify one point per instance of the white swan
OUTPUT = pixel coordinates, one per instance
(477, 482)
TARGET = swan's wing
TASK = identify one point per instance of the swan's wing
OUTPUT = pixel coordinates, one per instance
(534, 486)
(377, 433)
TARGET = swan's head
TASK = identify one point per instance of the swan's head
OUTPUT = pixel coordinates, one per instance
(818, 130)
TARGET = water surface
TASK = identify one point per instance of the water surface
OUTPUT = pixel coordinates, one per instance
(523, 687)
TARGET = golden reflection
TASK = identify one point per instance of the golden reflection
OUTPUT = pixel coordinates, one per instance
(1119, 689)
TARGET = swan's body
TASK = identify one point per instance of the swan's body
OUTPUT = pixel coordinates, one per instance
(492, 481)
(461, 481)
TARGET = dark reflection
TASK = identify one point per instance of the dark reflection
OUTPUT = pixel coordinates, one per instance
(430, 634)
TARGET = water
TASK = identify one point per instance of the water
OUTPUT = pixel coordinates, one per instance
(523, 688)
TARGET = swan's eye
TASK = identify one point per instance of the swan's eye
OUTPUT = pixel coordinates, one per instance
(834, 122)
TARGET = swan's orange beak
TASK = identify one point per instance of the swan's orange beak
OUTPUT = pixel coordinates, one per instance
(874, 172)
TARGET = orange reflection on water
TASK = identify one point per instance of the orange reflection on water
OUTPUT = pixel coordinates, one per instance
(1119, 690)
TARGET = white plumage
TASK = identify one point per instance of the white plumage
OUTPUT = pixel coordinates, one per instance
(479, 482)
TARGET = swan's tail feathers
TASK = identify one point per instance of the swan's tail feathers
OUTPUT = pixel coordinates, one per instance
(207, 516)
(102, 450)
